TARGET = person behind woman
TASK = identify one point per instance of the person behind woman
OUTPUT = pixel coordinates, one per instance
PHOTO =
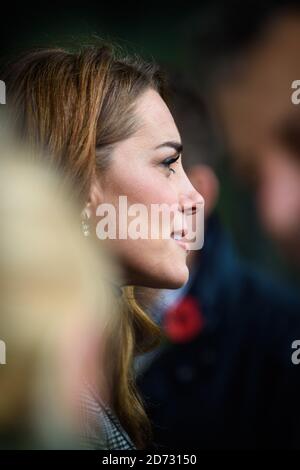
(103, 120)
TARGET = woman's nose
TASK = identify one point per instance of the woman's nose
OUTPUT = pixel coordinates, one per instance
(191, 202)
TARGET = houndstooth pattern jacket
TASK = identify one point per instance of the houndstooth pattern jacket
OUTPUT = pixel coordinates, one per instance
(101, 429)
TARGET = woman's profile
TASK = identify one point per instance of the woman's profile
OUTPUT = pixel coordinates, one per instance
(102, 119)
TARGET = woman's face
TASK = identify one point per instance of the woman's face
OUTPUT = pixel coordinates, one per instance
(147, 169)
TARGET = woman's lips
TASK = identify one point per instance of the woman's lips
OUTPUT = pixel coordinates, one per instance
(180, 241)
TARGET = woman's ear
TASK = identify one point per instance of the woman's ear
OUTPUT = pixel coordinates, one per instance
(88, 215)
(95, 195)
(205, 181)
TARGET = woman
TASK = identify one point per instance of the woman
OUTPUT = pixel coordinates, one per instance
(103, 121)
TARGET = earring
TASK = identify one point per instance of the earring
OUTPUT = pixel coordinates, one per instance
(85, 226)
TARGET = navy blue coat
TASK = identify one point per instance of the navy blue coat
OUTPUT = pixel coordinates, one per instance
(234, 386)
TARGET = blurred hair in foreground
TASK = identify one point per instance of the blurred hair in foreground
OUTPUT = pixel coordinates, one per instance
(54, 305)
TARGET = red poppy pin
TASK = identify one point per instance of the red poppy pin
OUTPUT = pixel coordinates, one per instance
(184, 321)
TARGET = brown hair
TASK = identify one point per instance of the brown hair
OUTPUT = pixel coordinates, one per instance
(76, 106)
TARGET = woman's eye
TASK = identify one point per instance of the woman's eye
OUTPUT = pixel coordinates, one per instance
(169, 161)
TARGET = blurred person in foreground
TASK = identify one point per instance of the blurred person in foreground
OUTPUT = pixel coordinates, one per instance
(224, 378)
(248, 60)
(55, 305)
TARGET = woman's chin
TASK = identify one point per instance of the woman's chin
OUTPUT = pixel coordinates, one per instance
(176, 283)
(170, 272)
(173, 279)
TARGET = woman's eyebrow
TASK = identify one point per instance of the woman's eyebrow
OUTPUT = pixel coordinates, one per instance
(175, 145)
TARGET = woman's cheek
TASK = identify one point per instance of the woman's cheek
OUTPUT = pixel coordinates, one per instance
(145, 186)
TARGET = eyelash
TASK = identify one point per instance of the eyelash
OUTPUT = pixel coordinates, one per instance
(170, 161)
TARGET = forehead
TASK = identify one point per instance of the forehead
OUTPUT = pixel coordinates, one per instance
(156, 123)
